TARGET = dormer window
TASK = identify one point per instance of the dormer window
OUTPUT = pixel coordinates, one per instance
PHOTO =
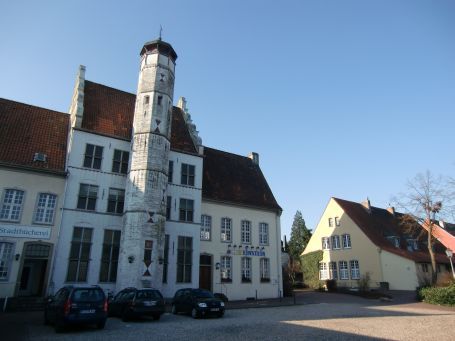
(394, 240)
(412, 244)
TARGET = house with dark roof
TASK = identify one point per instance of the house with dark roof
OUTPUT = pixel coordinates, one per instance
(148, 205)
(359, 241)
(33, 143)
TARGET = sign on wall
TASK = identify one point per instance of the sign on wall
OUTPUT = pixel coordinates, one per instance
(31, 232)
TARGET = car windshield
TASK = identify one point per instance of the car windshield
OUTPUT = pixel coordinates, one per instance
(147, 294)
(87, 295)
(202, 293)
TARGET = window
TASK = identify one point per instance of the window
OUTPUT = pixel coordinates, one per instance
(168, 208)
(337, 221)
(226, 269)
(344, 271)
(226, 225)
(184, 259)
(148, 248)
(246, 269)
(323, 273)
(424, 267)
(45, 208)
(109, 256)
(12, 205)
(120, 161)
(93, 156)
(394, 240)
(165, 257)
(87, 197)
(264, 266)
(206, 227)
(170, 172)
(146, 100)
(326, 243)
(79, 254)
(186, 209)
(160, 100)
(336, 242)
(246, 232)
(115, 200)
(187, 175)
(6, 256)
(263, 233)
(346, 238)
(355, 270)
(330, 222)
(412, 244)
(333, 274)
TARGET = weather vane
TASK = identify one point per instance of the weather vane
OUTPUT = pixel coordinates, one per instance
(161, 30)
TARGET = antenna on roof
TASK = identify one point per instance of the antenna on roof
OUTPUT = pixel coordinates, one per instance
(161, 30)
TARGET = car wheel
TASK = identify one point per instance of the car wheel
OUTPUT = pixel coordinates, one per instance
(194, 313)
(156, 317)
(125, 315)
(46, 319)
(174, 309)
(220, 314)
(59, 327)
(101, 324)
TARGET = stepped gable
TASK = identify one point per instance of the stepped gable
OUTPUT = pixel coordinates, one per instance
(378, 223)
(235, 179)
(26, 130)
(110, 112)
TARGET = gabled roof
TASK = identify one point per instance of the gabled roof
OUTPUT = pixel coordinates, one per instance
(235, 179)
(110, 111)
(377, 224)
(442, 235)
(26, 130)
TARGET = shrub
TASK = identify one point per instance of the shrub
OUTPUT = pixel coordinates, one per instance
(310, 268)
(364, 282)
(435, 295)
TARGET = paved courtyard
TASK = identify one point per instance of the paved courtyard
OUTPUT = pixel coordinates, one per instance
(338, 317)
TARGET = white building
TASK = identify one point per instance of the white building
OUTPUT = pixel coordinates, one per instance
(32, 185)
(147, 205)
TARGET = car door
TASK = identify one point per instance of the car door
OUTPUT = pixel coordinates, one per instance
(117, 303)
(187, 300)
(56, 305)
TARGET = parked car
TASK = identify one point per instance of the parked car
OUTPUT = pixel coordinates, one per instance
(76, 305)
(197, 302)
(131, 302)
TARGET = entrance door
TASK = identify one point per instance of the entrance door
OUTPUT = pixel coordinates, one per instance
(33, 274)
(205, 272)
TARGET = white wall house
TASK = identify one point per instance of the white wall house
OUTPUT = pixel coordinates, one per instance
(32, 185)
(147, 205)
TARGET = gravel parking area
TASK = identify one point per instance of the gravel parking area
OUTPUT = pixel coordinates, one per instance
(326, 321)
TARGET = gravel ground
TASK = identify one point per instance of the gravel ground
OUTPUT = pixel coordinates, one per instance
(323, 321)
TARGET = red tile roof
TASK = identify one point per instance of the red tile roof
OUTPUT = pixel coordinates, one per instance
(26, 130)
(442, 235)
(379, 223)
(110, 111)
(235, 179)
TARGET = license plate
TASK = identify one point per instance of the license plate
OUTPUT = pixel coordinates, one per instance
(149, 303)
(88, 311)
(215, 309)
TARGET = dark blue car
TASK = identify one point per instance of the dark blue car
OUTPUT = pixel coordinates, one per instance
(76, 305)
(197, 302)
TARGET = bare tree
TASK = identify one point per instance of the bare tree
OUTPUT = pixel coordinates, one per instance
(428, 197)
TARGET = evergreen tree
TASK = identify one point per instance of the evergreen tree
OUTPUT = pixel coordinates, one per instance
(300, 235)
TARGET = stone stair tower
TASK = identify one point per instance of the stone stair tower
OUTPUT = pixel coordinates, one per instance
(142, 241)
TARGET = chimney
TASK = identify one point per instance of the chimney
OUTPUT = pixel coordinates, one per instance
(254, 157)
(367, 205)
(391, 210)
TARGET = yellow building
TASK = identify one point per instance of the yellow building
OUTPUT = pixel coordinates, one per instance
(359, 239)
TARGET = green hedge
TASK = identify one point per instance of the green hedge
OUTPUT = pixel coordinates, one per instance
(436, 295)
(310, 268)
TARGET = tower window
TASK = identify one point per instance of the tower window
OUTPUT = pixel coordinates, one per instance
(146, 100)
(160, 99)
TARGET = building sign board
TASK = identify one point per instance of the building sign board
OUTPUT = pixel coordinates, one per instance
(21, 231)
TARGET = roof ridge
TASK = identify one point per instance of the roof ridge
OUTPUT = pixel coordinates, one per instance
(110, 87)
(225, 152)
(33, 106)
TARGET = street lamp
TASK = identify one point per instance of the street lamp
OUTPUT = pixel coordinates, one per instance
(449, 254)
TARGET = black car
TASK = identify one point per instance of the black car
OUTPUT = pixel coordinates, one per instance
(197, 302)
(132, 302)
(76, 305)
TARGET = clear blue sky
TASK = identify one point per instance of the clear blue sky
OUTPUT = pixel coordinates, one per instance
(340, 98)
